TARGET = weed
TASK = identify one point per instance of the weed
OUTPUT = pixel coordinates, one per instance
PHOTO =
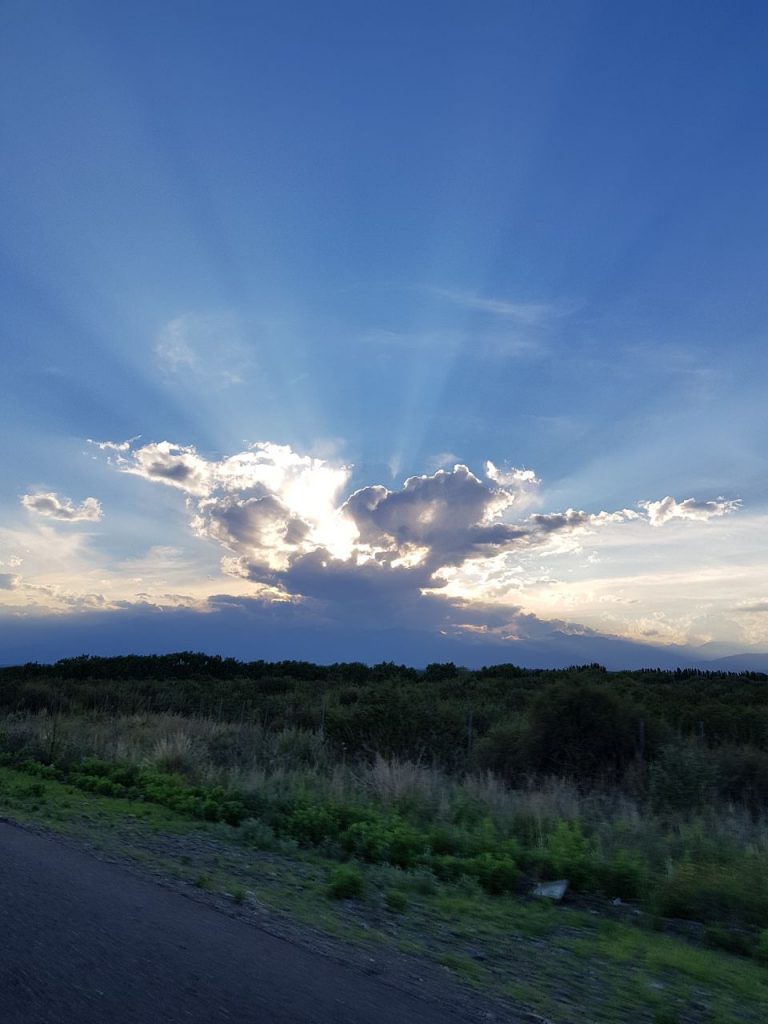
(346, 882)
(396, 901)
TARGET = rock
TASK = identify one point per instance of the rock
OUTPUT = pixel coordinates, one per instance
(551, 890)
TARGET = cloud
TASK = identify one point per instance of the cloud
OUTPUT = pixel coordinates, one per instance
(441, 519)
(264, 528)
(666, 509)
(49, 504)
(114, 446)
(424, 555)
(9, 580)
(174, 349)
(280, 514)
(528, 313)
(757, 608)
(171, 464)
(203, 346)
(510, 477)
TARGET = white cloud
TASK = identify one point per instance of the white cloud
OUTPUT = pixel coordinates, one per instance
(114, 446)
(49, 504)
(9, 580)
(528, 313)
(511, 477)
(666, 509)
(204, 346)
(174, 350)
(443, 460)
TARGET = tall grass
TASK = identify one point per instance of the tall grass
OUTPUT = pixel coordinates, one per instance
(294, 763)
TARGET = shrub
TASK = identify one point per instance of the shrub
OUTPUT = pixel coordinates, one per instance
(761, 948)
(396, 901)
(257, 834)
(716, 893)
(390, 842)
(496, 874)
(422, 881)
(665, 1016)
(717, 937)
(622, 875)
(346, 882)
(568, 854)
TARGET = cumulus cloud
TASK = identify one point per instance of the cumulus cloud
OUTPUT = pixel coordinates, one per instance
(441, 519)
(49, 504)
(9, 580)
(288, 524)
(666, 509)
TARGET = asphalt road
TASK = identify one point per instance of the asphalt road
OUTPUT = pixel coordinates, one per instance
(88, 942)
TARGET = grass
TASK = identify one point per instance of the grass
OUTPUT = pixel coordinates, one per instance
(465, 967)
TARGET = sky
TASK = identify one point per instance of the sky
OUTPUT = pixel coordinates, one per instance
(384, 331)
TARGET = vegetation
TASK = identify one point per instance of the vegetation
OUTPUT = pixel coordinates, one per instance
(443, 785)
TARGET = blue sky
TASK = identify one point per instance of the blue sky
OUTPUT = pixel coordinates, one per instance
(300, 254)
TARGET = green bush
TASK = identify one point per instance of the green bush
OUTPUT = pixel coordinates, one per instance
(496, 874)
(761, 948)
(568, 854)
(390, 842)
(716, 893)
(666, 1016)
(257, 834)
(422, 881)
(717, 937)
(623, 875)
(396, 901)
(346, 882)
